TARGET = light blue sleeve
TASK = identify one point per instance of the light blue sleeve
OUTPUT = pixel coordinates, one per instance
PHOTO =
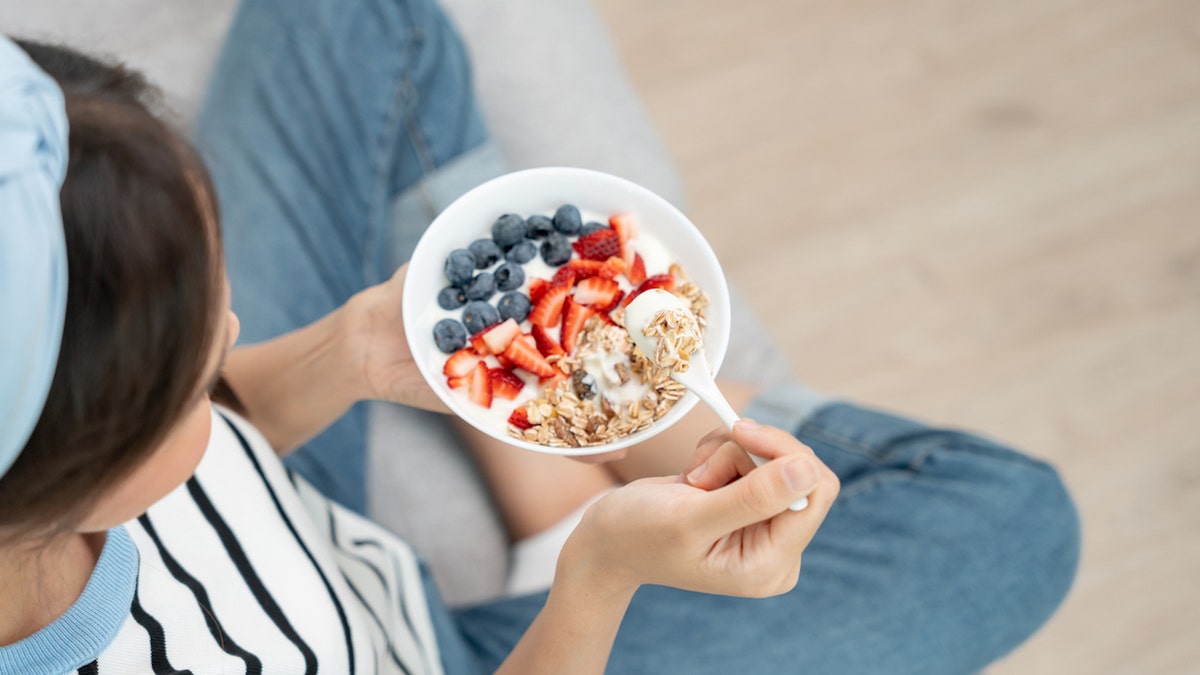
(33, 259)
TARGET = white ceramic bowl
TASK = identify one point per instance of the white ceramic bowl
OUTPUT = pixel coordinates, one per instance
(542, 191)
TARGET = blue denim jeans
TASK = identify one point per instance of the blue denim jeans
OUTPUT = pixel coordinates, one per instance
(335, 128)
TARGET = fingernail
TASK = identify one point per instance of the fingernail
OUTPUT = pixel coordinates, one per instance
(801, 475)
(746, 424)
(697, 472)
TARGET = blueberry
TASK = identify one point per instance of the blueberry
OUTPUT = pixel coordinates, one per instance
(479, 315)
(592, 227)
(451, 297)
(509, 277)
(460, 266)
(522, 253)
(450, 336)
(537, 227)
(567, 219)
(514, 306)
(481, 287)
(508, 230)
(486, 253)
(556, 250)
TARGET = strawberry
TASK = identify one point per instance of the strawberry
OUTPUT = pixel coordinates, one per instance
(552, 380)
(548, 307)
(585, 268)
(605, 309)
(456, 382)
(546, 344)
(479, 345)
(564, 277)
(520, 419)
(612, 267)
(528, 337)
(599, 245)
(663, 281)
(504, 363)
(623, 225)
(505, 384)
(460, 363)
(480, 384)
(575, 315)
(500, 335)
(596, 291)
(527, 357)
(637, 271)
(536, 288)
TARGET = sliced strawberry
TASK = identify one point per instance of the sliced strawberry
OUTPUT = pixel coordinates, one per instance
(585, 268)
(599, 245)
(504, 362)
(596, 291)
(527, 357)
(460, 363)
(536, 288)
(637, 271)
(605, 309)
(564, 277)
(480, 384)
(520, 419)
(574, 316)
(479, 345)
(612, 267)
(663, 281)
(549, 307)
(456, 382)
(546, 344)
(551, 381)
(499, 336)
(623, 225)
(608, 319)
(505, 384)
(528, 337)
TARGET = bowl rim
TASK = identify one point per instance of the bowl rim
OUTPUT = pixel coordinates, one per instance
(413, 306)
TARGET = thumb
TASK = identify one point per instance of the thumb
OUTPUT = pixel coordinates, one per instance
(762, 494)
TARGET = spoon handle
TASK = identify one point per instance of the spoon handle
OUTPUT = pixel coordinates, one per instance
(712, 396)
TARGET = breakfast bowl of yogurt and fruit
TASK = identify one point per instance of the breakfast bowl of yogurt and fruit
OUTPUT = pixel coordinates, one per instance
(514, 305)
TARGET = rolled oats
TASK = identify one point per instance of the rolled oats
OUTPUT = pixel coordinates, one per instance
(564, 416)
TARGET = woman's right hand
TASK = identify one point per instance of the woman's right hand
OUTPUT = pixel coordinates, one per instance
(722, 528)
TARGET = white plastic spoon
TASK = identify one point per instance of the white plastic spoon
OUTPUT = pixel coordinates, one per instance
(698, 376)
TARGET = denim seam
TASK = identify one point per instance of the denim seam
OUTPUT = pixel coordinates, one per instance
(396, 116)
(811, 428)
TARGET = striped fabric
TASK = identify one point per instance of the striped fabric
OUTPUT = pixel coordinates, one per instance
(248, 569)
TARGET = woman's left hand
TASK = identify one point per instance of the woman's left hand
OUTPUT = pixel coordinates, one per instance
(374, 326)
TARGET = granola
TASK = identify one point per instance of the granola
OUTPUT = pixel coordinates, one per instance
(574, 412)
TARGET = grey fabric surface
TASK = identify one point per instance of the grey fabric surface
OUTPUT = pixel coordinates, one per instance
(553, 93)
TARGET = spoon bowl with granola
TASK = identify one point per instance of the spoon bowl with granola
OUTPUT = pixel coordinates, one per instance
(664, 328)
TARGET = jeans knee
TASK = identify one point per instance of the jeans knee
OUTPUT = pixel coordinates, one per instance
(1039, 539)
(1059, 535)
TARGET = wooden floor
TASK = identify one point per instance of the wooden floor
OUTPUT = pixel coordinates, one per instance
(985, 214)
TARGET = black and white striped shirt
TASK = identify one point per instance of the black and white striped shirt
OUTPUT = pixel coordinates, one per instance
(243, 569)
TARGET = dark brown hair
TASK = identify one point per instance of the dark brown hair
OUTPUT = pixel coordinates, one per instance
(143, 299)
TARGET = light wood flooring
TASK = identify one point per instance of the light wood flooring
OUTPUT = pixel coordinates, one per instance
(985, 214)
